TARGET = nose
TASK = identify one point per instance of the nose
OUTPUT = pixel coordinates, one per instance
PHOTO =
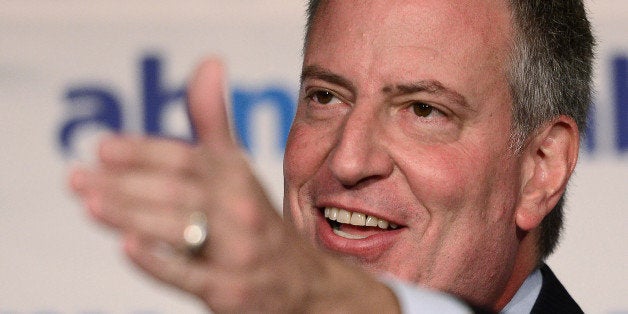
(359, 155)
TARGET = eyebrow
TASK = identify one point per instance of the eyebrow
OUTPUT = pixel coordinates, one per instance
(317, 72)
(426, 86)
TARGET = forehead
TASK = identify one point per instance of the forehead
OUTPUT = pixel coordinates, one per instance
(406, 36)
(483, 18)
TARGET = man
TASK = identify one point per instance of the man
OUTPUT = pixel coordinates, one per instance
(432, 144)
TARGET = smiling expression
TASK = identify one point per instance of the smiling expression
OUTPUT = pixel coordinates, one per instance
(401, 139)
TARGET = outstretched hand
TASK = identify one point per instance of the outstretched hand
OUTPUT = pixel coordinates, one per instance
(146, 189)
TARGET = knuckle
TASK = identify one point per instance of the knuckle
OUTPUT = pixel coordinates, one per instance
(185, 158)
(173, 192)
(185, 194)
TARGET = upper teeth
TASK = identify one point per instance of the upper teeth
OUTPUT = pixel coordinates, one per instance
(356, 219)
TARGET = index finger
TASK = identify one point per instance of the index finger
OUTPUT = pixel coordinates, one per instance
(147, 153)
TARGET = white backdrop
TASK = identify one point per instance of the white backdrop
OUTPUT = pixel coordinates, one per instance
(71, 70)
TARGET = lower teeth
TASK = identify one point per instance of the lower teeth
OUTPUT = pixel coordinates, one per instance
(347, 235)
(335, 227)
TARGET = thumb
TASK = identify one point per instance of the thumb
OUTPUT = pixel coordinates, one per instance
(206, 104)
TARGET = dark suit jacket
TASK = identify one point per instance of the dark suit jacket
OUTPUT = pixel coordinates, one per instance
(553, 297)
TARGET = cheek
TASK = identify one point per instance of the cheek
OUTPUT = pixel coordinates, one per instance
(434, 178)
(467, 199)
(459, 182)
(304, 155)
(306, 151)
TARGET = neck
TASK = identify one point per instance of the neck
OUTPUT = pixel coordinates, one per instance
(525, 263)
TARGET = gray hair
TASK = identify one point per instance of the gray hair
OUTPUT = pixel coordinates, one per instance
(550, 75)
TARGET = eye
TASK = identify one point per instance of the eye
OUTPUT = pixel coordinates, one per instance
(324, 97)
(423, 109)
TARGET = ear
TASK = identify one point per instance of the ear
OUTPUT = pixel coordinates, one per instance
(549, 160)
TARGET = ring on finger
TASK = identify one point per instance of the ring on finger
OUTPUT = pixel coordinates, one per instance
(195, 234)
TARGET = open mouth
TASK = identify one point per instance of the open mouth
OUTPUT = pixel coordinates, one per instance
(354, 225)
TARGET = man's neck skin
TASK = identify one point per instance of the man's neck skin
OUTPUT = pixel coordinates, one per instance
(525, 263)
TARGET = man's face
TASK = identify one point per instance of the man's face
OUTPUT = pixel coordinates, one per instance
(403, 120)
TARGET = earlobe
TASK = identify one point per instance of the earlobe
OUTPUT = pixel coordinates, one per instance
(548, 161)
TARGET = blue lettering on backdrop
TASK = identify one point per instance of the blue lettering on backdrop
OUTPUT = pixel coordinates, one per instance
(620, 75)
(155, 96)
(589, 138)
(96, 105)
(245, 101)
(100, 106)
(103, 108)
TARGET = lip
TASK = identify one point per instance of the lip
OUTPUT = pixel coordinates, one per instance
(369, 248)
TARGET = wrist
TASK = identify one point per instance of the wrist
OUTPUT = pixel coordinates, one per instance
(342, 288)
